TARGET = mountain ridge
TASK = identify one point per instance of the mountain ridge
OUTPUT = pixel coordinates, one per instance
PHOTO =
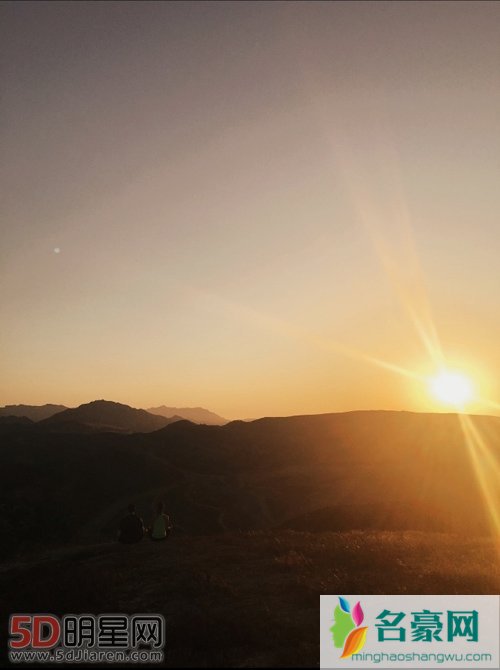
(108, 416)
(38, 413)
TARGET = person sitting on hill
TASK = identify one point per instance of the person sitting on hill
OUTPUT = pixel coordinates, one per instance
(160, 527)
(131, 527)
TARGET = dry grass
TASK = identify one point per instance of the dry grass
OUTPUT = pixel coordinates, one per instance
(248, 599)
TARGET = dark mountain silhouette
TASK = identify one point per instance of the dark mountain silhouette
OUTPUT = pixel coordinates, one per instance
(194, 414)
(104, 415)
(33, 412)
(335, 472)
(41, 412)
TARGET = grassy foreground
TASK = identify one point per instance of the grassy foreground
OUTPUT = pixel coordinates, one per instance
(246, 599)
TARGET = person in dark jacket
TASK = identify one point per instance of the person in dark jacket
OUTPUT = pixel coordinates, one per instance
(131, 527)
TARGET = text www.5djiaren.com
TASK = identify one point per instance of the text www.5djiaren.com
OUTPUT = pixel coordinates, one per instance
(62, 655)
(86, 638)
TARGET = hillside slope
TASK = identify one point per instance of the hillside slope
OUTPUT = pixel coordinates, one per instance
(369, 471)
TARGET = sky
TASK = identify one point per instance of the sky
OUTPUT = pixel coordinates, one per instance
(259, 208)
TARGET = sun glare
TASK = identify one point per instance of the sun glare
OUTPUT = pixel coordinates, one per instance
(451, 388)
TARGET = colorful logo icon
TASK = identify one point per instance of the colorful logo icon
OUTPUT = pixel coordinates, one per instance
(347, 632)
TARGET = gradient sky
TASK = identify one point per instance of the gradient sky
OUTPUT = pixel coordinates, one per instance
(249, 206)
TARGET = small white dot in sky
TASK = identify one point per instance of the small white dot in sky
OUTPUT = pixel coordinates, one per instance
(57, 250)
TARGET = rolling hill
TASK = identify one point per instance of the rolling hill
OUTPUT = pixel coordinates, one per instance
(372, 471)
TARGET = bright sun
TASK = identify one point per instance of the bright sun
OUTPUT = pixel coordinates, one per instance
(451, 388)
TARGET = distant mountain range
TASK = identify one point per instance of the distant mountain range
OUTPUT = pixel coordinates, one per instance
(33, 412)
(194, 414)
(106, 415)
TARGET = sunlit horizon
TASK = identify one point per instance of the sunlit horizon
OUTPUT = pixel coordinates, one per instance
(245, 211)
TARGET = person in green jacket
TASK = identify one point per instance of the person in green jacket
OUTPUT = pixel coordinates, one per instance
(160, 526)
